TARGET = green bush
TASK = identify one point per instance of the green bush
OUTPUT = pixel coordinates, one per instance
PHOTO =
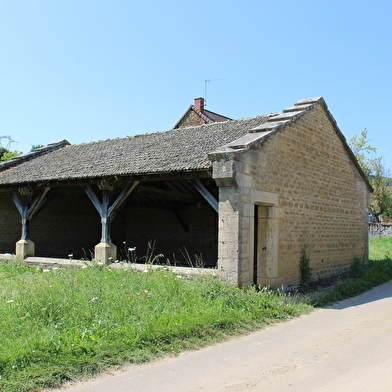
(304, 266)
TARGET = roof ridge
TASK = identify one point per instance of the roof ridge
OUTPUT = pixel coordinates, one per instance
(202, 114)
(287, 116)
(33, 154)
(273, 123)
(214, 123)
(217, 114)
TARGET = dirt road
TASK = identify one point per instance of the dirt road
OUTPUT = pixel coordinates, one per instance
(343, 348)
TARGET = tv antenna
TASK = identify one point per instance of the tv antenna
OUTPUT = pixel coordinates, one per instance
(206, 86)
(9, 142)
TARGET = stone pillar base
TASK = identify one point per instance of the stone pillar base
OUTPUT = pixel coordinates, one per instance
(25, 248)
(105, 252)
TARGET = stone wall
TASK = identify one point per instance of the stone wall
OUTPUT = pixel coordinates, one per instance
(162, 227)
(10, 227)
(377, 230)
(67, 225)
(316, 198)
(191, 119)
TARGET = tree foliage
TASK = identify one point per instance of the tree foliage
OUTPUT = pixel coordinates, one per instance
(381, 204)
(6, 155)
(3, 150)
(377, 174)
(361, 148)
(35, 146)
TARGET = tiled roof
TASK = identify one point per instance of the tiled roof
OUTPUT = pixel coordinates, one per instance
(207, 116)
(215, 117)
(183, 149)
(176, 150)
(32, 154)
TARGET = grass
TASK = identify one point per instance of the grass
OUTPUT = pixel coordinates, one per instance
(66, 324)
(363, 277)
(380, 248)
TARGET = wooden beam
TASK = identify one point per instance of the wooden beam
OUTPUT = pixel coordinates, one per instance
(27, 207)
(210, 198)
(17, 202)
(38, 204)
(149, 177)
(167, 194)
(93, 197)
(181, 220)
(158, 205)
(106, 209)
(122, 197)
(106, 220)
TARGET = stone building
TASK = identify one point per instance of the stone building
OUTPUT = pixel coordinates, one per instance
(197, 114)
(244, 196)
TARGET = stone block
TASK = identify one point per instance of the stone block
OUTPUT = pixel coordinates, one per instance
(105, 252)
(25, 248)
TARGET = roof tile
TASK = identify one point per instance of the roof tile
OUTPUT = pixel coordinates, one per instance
(180, 149)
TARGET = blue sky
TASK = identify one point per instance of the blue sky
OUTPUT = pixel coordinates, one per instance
(91, 69)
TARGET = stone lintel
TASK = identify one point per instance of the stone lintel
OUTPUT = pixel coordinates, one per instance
(262, 197)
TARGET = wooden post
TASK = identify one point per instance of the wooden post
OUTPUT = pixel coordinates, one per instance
(105, 218)
(28, 208)
(106, 251)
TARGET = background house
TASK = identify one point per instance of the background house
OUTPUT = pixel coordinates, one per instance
(246, 196)
(198, 115)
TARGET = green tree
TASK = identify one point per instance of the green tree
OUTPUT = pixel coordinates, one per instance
(3, 150)
(376, 172)
(8, 155)
(35, 146)
(381, 202)
(361, 148)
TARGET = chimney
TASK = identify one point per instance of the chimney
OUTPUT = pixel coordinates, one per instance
(199, 104)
